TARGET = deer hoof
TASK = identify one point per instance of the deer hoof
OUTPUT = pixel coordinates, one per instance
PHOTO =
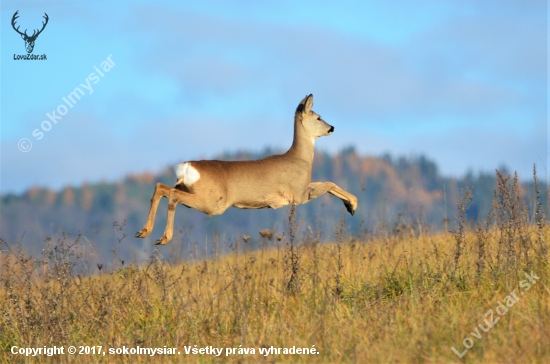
(349, 207)
(141, 234)
(162, 241)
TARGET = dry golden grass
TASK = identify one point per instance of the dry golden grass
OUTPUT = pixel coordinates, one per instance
(401, 297)
(390, 299)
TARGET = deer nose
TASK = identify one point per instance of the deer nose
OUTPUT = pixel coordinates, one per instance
(331, 129)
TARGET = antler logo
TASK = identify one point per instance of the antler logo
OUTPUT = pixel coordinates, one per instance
(29, 40)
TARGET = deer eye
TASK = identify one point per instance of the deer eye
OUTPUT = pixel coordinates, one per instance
(318, 118)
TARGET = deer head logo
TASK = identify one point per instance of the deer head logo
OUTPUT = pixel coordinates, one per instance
(29, 40)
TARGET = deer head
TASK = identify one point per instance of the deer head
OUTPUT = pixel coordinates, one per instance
(312, 122)
(29, 40)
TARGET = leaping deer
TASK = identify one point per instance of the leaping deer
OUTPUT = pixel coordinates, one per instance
(271, 182)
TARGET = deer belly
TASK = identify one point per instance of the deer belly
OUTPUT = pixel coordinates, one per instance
(273, 201)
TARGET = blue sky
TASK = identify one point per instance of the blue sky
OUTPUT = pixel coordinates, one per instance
(463, 82)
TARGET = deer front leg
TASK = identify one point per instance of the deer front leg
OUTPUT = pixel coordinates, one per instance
(316, 189)
(161, 190)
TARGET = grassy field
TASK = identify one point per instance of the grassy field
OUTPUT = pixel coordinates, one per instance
(403, 295)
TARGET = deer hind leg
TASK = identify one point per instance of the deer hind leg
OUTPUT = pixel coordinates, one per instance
(317, 189)
(190, 200)
(169, 229)
(161, 190)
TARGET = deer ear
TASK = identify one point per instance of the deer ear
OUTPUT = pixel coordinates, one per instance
(305, 105)
(309, 103)
(301, 106)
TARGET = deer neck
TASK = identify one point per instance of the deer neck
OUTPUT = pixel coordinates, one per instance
(303, 145)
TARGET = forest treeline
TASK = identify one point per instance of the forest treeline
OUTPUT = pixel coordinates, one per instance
(107, 215)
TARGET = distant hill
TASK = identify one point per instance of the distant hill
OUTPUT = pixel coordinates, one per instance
(388, 189)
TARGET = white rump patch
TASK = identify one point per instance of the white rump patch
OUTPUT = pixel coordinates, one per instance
(186, 171)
